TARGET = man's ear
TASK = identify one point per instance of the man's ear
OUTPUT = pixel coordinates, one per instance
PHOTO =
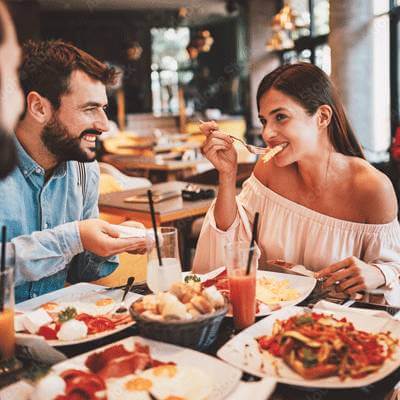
(39, 108)
(324, 116)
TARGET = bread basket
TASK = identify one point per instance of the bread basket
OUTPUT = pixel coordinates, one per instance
(198, 333)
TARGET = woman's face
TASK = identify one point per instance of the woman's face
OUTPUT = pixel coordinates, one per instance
(286, 121)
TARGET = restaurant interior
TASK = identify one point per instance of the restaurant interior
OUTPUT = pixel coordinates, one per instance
(182, 63)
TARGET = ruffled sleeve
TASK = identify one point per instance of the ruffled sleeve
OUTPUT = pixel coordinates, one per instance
(382, 249)
(210, 250)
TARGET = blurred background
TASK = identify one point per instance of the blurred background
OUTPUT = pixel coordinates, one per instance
(185, 60)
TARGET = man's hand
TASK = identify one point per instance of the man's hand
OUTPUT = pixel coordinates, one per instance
(142, 244)
(102, 239)
(352, 275)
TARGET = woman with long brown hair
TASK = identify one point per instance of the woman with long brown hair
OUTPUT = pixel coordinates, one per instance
(321, 203)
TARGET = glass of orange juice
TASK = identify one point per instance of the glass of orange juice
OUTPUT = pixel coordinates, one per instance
(8, 363)
(242, 282)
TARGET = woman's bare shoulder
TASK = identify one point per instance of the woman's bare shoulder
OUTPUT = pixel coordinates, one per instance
(374, 192)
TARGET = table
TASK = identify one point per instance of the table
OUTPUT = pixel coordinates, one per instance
(378, 391)
(155, 169)
(174, 211)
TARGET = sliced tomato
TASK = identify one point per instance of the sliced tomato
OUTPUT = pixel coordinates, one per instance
(47, 332)
(84, 317)
(99, 324)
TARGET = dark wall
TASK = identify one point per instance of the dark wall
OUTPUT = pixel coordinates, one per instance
(107, 35)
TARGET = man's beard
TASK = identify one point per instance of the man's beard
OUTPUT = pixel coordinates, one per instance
(58, 141)
(8, 154)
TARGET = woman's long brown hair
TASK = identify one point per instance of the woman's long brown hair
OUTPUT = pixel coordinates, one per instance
(309, 86)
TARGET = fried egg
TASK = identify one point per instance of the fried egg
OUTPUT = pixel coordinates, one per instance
(179, 382)
(129, 387)
(272, 291)
(163, 382)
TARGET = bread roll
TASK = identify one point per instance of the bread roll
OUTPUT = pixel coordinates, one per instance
(214, 296)
(202, 304)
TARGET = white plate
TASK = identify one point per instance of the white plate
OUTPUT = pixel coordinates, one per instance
(242, 351)
(225, 378)
(69, 294)
(303, 284)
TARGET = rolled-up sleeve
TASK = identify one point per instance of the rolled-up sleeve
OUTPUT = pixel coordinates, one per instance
(43, 253)
(87, 266)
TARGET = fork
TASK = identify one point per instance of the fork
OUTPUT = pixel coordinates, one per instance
(250, 147)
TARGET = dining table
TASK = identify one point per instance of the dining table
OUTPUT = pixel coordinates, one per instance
(175, 211)
(157, 168)
(381, 390)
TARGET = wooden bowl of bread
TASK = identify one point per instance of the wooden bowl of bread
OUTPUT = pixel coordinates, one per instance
(186, 315)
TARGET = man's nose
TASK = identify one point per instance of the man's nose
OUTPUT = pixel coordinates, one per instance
(102, 123)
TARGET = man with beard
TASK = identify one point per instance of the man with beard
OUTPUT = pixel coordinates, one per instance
(49, 203)
(11, 99)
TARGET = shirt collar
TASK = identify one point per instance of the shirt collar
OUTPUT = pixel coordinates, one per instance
(28, 165)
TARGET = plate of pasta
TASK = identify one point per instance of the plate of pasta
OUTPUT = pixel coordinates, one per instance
(318, 348)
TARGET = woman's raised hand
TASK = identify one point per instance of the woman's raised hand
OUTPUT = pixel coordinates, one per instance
(219, 150)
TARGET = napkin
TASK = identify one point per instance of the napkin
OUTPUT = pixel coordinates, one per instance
(327, 305)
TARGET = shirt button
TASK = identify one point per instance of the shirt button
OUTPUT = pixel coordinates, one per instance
(38, 170)
(46, 225)
(34, 294)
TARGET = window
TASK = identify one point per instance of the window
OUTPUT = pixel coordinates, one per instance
(395, 63)
(170, 61)
(311, 34)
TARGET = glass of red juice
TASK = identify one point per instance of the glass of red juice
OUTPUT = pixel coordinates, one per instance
(242, 282)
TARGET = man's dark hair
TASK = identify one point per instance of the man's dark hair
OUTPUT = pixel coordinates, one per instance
(47, 66)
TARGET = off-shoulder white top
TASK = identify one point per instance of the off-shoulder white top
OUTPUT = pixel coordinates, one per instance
(296, 234)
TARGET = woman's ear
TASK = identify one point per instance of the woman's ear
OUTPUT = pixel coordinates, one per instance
(38, 107)
(324, 116)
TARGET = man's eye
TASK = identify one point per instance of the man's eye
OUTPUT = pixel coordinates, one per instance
(280, 117)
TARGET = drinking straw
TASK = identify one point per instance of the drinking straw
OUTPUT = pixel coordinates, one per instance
(153, 220)
(253, 239)
(3, 265)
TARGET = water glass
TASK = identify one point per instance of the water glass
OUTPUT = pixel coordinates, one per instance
(160, 278)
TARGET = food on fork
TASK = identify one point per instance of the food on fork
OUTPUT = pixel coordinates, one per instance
(319, 345)
(273, 152)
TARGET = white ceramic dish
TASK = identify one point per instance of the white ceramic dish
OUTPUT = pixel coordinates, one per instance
(303, 284)
(224, 377)
(242, 351)
(71, 293)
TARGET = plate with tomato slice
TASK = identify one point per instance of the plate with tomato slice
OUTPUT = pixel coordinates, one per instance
(72, 315)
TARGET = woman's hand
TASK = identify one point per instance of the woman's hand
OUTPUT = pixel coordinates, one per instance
(352, 275)
(219, 150)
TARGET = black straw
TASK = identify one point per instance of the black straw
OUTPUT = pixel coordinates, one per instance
(153, 220)
(3, 266)
(253, 239)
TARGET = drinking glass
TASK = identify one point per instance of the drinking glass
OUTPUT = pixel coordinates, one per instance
(160, 278)
(8, 362)
(242, 282)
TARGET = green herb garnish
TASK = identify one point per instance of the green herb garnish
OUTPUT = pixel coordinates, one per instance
(193, 278)
(304, 320)
(67, 314)
(309, 358)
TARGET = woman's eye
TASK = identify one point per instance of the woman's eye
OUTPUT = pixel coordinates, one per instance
(280, 117)
(263, 121)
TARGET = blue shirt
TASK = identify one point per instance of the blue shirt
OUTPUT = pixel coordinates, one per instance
(41, 218)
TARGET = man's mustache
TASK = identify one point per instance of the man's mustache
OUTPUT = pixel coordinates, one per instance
(91, 132)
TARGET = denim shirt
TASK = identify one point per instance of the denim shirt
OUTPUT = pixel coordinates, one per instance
(41, 216)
